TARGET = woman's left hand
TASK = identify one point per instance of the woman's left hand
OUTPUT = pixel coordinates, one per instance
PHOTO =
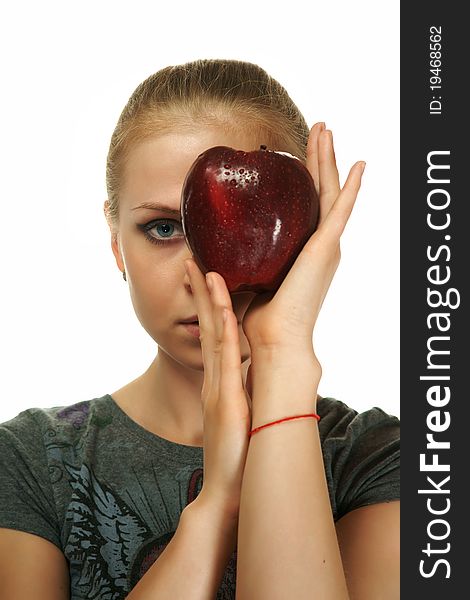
(283, 321)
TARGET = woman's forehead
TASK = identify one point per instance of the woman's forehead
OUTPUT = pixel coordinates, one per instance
(158, 166)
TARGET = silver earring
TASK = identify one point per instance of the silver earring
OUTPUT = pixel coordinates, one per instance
(124, 275)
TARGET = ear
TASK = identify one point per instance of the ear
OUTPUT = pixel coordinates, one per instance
(117, 251)
(114, 240)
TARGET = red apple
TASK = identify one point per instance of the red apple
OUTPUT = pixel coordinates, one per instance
(247, 215)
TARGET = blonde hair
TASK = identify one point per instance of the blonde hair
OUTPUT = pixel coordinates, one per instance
(229, 94)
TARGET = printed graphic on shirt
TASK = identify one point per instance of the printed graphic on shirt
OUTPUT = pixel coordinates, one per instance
(78, 413)
(105, 533)
(110, 546)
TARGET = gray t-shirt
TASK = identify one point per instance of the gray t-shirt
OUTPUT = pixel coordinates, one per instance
(109, 493)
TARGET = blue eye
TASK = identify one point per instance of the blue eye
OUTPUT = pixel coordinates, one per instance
(164, 228)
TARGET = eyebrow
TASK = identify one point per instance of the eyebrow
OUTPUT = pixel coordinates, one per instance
(158, 206)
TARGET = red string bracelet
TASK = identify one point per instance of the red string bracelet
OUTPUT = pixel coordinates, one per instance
(314, 415)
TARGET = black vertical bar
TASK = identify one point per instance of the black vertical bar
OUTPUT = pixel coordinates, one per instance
(435, 273)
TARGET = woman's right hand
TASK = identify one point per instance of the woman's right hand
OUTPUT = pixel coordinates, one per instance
(225, 401)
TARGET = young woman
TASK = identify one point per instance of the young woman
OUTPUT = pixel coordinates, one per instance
(158, 490)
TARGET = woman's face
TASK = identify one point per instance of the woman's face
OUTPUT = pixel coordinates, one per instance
(158, 284)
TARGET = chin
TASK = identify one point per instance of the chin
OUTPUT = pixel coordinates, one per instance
(190, 356)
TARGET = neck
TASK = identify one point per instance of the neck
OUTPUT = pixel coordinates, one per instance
(166, 399)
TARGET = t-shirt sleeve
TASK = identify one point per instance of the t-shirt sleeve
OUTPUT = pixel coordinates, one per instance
(363, 453)
(26, 497)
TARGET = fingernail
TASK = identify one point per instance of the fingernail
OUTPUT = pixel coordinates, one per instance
(363, 166)
(322, 126)
(210, 285)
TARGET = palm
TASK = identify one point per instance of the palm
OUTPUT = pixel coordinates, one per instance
(255, 317)
(286, 317)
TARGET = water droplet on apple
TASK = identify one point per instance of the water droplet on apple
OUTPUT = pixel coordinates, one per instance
(226, 166)
(241, 171)
(227, 172)
(233, 182)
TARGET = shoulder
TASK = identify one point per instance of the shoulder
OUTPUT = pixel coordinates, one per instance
(33, 446)
(338, 419)
(344, 428)
(34, 428)
(361, 454)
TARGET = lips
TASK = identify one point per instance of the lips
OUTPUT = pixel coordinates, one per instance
(191, 319)
(192, 329)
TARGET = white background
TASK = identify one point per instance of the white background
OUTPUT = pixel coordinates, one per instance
(68, 328)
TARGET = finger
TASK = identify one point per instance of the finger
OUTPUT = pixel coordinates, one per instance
(220, 298)
(333, 226)
(206, 320)
(201, 296)
(328, 171)
(319, 257)
(312, 154)
(231, 381)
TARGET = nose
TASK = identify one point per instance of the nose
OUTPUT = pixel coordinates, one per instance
(186, 281)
